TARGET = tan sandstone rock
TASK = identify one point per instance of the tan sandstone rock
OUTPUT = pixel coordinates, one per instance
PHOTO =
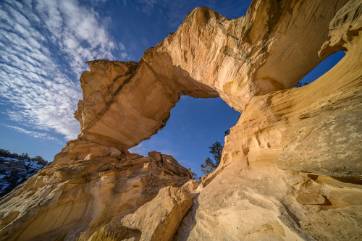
(291, 167)
(159, 219)
(207, 56)
(77, 198)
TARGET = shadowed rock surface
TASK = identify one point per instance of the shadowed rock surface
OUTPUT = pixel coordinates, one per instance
(15, 169)
(291, 167)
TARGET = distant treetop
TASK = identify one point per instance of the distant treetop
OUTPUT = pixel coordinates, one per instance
(23, 156)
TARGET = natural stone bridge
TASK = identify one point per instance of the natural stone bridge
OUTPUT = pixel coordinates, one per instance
(291, 167)
(208, 56)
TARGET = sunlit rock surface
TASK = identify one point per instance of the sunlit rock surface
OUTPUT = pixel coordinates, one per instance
(87, 195)
(271, 48)
(291, 167)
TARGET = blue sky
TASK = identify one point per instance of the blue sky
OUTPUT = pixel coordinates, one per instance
(44, 45)
(193, 126)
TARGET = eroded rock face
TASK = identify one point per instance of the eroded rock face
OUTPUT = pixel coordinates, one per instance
(78, 200)
(207, 56)
(160, 218)
(291, 167)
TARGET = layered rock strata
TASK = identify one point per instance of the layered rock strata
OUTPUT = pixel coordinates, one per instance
(271, 48)
(86, 197)
(291, 167)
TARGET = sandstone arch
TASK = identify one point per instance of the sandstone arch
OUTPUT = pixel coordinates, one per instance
(209, 55)
(291, 166)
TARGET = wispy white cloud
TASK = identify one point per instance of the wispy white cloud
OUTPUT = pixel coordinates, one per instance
(140, 149)
(43, 49)
(36, 134)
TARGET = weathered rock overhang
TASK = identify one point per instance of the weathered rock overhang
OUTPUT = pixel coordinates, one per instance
(208, 56)
(291, 167)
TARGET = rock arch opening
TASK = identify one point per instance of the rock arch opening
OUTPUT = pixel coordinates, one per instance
(194, 125)
(283, 161)
(127, 102)
(324, 66)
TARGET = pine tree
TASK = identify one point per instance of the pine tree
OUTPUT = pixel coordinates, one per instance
(209, 165)
(216, 151)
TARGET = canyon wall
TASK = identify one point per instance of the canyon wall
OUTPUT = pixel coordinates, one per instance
(291, 167)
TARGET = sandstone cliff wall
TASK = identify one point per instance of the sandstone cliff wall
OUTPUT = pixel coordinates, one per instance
(291, 167)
